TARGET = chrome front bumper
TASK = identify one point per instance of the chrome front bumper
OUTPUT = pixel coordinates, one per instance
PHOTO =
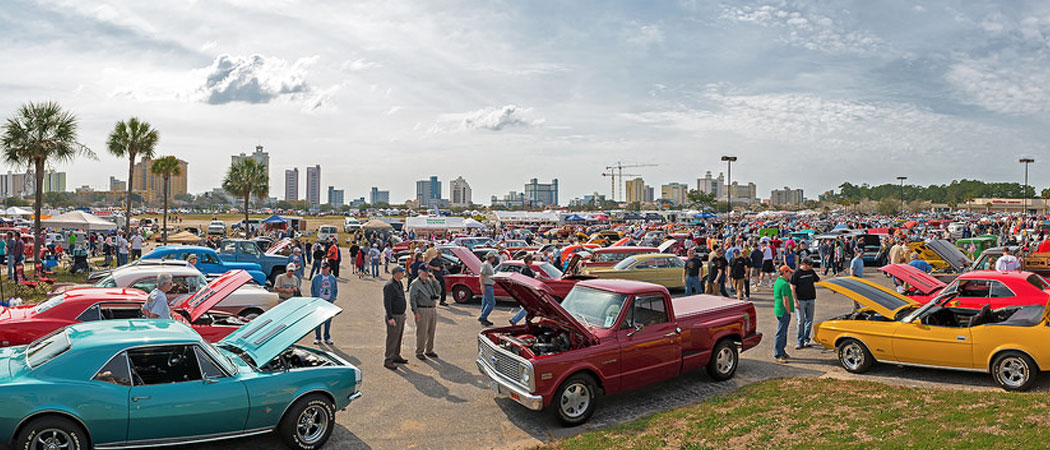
(503, 386)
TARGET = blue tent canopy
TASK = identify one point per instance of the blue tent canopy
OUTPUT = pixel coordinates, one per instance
(575, 218)
(704, 215)
(275, 219)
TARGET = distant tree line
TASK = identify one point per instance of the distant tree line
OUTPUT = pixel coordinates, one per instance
(955, 193)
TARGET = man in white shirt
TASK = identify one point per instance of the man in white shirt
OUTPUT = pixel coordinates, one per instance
(122, 250)
(136, 246)
(1007, 262)
(156, 306)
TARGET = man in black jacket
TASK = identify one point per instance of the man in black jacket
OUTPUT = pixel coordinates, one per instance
(394, 304)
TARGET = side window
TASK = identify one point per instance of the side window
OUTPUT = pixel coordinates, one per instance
(229, 247)
(208, 258)
(999, 290)
(115, 371)
(90, 314)
(974, 288)
(164, 365)
(208, 367)
(249, 248)
(649, 310)
(121, 311)
(146, 284)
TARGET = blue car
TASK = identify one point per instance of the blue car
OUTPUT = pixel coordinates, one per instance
(208, 260)
(142, 383)
(248, 251)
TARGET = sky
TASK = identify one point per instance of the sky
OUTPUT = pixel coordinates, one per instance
(807, 94)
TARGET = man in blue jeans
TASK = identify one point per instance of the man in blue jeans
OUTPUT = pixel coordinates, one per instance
(783, 306)
(488, 294)
(324, 286)
(526, 270)
(691, 274)
(804, 282)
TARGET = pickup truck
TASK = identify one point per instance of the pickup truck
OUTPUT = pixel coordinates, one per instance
(208, 261)
(608, 336)
(248, 251)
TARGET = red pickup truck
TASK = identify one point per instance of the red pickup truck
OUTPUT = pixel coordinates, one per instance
(608, 336)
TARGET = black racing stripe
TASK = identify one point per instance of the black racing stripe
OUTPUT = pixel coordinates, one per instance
(883, 298)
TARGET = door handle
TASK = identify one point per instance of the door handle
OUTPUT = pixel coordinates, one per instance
(135, 399)
(673, 333)
(960, 338)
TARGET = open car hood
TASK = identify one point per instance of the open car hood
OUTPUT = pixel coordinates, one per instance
(622, 242)
(950, 254)
(275, 330)
(922, 281)
(870, 295)
(279, 247)
(469, 259)
(538, 301)
(216, 291)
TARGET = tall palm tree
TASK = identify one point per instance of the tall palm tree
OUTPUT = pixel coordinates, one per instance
(38, 134)
(245, 179)
(166, 168)
(132, 138)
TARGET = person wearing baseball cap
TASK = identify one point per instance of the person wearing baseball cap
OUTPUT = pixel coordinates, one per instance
(395, 306)
(423, 296)
(287, 284)
(783, 306)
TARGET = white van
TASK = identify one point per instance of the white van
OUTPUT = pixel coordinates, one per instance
(351, 225)
(327, 232)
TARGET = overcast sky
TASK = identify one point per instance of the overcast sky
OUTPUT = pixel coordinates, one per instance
(383, 93)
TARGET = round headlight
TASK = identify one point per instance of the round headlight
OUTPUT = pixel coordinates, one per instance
(525, 376)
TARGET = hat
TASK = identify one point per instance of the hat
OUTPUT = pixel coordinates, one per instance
(297, 250)
(492, 254)
(786, 269)
(423, 269)
(290, 267)
(397, 270)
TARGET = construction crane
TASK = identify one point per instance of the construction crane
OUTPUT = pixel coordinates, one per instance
(616, 171)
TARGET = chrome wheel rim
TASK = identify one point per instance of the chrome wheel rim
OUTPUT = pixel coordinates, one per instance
(852, 356)
(575, 400)
(1013, 371)
(312, 424)
(724, 361)
(52, 439)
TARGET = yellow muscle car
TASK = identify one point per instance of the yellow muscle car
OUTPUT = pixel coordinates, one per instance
(1009, 342)
(663, 269)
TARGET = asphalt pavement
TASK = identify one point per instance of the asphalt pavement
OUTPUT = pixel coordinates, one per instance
(444, 403)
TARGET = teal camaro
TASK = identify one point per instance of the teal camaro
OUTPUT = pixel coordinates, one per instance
(144, 383)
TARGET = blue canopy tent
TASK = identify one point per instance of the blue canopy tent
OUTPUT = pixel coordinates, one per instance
(575, 218)
(704, 215)
(275, 219)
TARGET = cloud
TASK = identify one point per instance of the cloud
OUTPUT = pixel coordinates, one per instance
(493, 118)
(1003, 82)
(358, 65)
(645, 35)
(806, 29)
(253, 79)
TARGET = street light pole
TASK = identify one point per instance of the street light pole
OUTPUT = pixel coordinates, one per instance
(901, 179)
(1024, 194)
(729, 183)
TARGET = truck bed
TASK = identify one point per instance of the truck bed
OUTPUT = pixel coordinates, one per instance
(696, 304)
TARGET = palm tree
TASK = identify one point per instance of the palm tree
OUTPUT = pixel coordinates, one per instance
(132, 138)
(38, 134)
(166, 167)
(245, 179)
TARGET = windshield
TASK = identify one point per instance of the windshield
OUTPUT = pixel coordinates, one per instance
(611, 256)
(948, 293)
(46, 348)
(594, 307)
(108, 282)
(552, 271)
(220, 357)
(49, 303)
(626, 263)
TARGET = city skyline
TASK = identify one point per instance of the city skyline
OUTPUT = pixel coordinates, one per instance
(931, 90)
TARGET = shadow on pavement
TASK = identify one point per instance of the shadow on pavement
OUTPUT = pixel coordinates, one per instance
(342, 354)
(455, 374)
(427, 385)
(340, 434)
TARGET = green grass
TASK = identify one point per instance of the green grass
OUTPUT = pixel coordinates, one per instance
(809, 413)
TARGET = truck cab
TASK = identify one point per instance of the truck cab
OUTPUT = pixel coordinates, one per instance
(248, 251)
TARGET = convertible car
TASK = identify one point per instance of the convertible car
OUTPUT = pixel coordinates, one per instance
(663, 269)
(20, 325)
(140, 383)
(975, 289)
(890, 328)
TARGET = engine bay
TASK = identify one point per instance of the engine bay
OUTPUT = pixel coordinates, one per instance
(295, 358)
(536, 340)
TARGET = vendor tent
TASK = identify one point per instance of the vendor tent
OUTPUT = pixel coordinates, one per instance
(575, 218)
(471, 223)
(184, 237)
(16, 211)
(704, 215)
(434, 223)
(376, 224)
(275, 219)
(79, 220)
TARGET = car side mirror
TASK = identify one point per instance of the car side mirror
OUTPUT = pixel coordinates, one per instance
(637, 327)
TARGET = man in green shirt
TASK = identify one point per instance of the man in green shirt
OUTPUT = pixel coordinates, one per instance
(783, 306)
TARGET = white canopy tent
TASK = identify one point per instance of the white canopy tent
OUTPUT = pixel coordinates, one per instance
(434, 223)
(79, 220)
(471, 223)
(16, 211)
(524, 217)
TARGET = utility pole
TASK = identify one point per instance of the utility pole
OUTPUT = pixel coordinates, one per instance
(1026, 162)
(729, 183)
(901, 179)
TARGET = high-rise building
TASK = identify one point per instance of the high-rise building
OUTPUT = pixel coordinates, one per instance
(117, 185)
(428, 193)
(259, 156)
(313, 185)
(676, 193)
(742, 193)
(541, 194)
(291, 184)
(786, 196)
(17, 184)
(634, 190)
(459, 192)
(377, 196)
(54, 181)
(650, 194)
(510, 200)
(151, 186)
(335, 196)
(713, 186)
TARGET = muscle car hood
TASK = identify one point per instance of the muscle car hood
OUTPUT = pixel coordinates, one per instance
(536, 298)
(622, 242)
(950, 254)
(870, 295)
(924, 282)
(275, 330)
(469, 259)
(665, 246)
(215, 292)
(15, 313)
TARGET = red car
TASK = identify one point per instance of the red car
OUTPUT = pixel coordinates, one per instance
(466, 285)
(609, 256)
(976, 288)
(21, 325)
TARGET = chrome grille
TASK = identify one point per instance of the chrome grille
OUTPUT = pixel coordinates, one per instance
(499, 360)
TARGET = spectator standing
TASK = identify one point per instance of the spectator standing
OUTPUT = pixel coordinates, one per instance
(318, 253)
(287, 284)
(423, 294)
(738, 273)
(1008, 262)
(16, 253)
(803, 282)
(394, 304)
(324, 286)
(919, 264)
(374, 256)
(488, 295)
(767, 263)
(333, 256)
(359, 262)
(388, 255)
(856, 266)
(526, 270)
(156, 306)
(691, 274)
(296, 258)
(437, 270)
(756, 267)
(136, 247)
(783, 306)
(354, 249)
(122, 250)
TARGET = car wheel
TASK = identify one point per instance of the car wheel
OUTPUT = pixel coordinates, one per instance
(1014, 371)
(250, 313)
(462, 294)
(724, 360)
(308, 423)
(575, 400)
(52, 432)
(854, 356)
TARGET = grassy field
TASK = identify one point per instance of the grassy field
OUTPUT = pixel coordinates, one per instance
(809, 413)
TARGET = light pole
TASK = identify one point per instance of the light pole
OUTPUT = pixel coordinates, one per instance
(901, 179)
(1026, 162)
(729, 183)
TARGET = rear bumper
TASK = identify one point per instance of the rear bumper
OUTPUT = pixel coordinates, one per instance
(751, 341)
(503, 386)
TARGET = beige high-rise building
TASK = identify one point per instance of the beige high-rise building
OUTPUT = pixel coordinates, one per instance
(151, 187)
(459, 192)
(634, 190)
(676, 193)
